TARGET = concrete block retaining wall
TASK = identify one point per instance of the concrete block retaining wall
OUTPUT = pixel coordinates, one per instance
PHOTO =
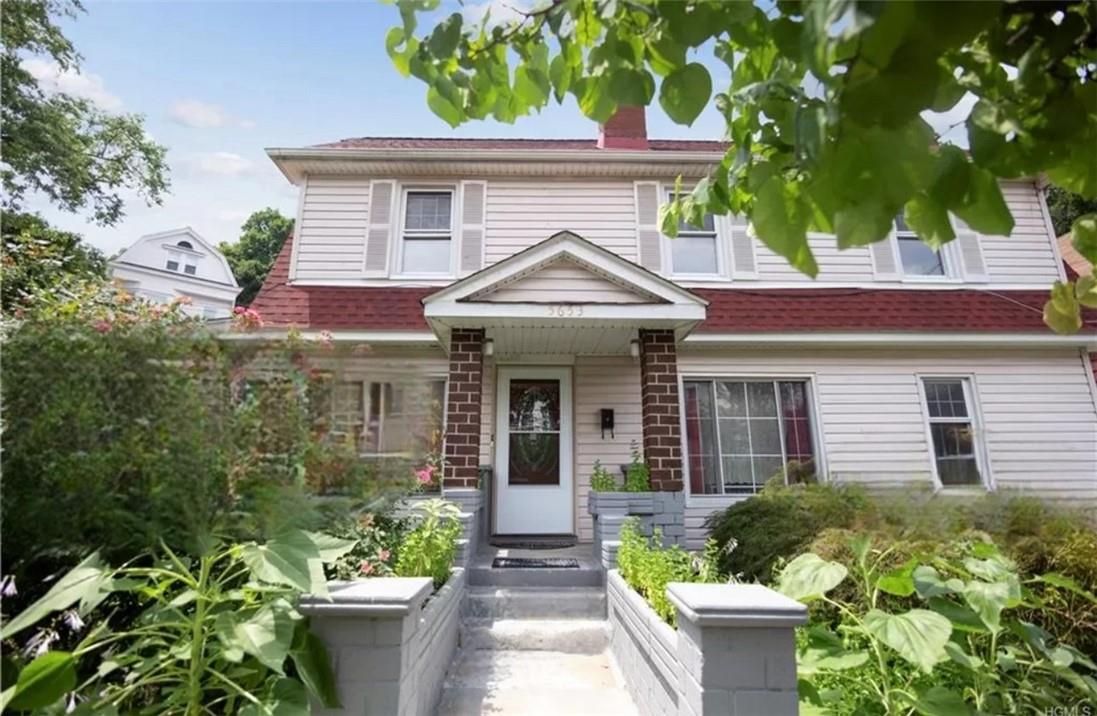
(665, 510)
(733, 653)
(390, 641)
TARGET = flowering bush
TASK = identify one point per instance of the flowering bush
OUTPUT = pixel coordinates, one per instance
(377, 539)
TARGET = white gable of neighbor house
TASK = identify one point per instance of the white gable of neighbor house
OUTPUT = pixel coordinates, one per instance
(155, 268)
(564, 280)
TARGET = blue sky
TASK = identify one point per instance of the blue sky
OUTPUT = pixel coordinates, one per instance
(219, 82)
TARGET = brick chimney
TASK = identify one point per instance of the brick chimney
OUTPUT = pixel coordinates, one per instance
(626, 129)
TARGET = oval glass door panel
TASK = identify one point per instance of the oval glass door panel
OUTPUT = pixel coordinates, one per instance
(534, 434)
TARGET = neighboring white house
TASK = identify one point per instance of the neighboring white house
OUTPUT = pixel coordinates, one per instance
(529, 279)
(175, 264)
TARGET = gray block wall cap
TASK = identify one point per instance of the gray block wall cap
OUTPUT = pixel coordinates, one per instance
(386, 597)
(742, 605)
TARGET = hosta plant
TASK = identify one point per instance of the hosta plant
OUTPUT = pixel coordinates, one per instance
(933, 636)
(215, 634)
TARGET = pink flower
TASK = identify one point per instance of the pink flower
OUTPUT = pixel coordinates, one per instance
(425, 474)
(366, 568)
(102, 326)
(238, 310)
(383, 555)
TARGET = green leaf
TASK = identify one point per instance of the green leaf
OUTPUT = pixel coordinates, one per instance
(863, 223)
(665, 55)
(287, 697)
(982, 206)
(44, 681)
(1063, 582)
(929, 219)
(809, 577)
(87, 583)
(685, 92)
(780, 217)
(310, 658)
(988, 599)
(899, 582)
(1085, 290)
(928, 583)
(446, 35)
(267, 636)
(958, 656)
(632, 88)
(442, 107)
(293, 559)
(1062, 312)
(962, 618)
(919, 635)
(938, 701)
(1084, 237)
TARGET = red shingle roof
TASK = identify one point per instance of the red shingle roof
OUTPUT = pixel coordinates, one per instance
(730, 310)
(657, 145)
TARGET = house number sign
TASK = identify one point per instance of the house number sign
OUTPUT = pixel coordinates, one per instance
(565, 311)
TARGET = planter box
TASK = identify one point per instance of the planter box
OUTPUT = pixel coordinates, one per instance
(390, 641)
(734, 651)
(665, 510)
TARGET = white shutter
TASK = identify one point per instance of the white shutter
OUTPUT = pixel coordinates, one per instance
(379, 229)
(970, 253)
(473, 210)
(743, 264)
(885, 259)
(648, 237)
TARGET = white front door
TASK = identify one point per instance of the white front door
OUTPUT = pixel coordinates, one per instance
(533, 476)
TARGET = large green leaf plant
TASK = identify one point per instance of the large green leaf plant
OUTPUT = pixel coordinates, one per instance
(215, 634)
(825, 104)
(933, 636)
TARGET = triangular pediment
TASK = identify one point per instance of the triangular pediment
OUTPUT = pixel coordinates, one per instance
(564, 268)
(564, 280)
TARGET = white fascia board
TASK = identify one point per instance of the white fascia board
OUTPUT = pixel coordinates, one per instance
(562, 245)
(348, 336)
(452, 312)
(1021, 340)
(616, 156)
(182, 280)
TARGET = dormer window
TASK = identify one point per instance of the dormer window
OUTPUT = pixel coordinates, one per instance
(186, 245)
(918, 259)
(427, 235)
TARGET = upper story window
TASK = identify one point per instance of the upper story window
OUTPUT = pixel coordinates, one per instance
(952, 431)
(742, 432)
(916, 257)
(427, 237)
(695, 249)
(177, 259)
(173, 262)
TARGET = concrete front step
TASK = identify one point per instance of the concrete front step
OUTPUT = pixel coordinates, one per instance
(568, 636)
(530, 683)
(534, 603)
(481, 575)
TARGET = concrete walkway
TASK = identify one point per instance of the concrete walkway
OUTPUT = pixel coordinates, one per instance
(533, 683)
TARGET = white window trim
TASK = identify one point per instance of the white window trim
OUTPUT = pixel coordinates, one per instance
(982, 457)
(722, 236)
(951, 260)
(396, 270)
(814, 413)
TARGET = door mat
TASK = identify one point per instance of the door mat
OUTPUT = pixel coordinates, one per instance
(539, 543)
(534, 563)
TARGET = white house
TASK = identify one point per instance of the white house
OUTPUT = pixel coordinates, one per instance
(530, 280)
(178, 264)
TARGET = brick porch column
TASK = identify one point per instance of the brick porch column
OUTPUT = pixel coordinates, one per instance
(466, 372)
(659, 409)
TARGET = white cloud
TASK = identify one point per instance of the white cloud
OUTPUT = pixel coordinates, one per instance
(202, 115)
(222, 163)
(52, 78)
(234, 215)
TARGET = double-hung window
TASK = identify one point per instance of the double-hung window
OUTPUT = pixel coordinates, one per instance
(742, 432)
(916, 257)
(695, 251)
(384, 418)
(427, 238)
(952, 430)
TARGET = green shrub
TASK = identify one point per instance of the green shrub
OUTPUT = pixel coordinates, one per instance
(430, 548)
(778, 523)
(935, 634)
(638, 474)
(601, 480)
(648, 567)
(377, 539)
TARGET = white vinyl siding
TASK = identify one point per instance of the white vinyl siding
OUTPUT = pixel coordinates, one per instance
(521, 214)
(330, 241)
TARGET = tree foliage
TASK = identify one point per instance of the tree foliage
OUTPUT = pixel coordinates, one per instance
(251, 258)
(1065, 208)
(824, 108)
(66, 148)
(38, 257)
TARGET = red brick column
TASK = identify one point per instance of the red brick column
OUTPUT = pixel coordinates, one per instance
(659, 409)
(466, 372)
